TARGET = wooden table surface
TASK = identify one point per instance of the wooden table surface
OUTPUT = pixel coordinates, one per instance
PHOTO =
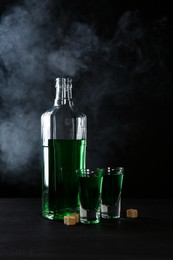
(25, 234)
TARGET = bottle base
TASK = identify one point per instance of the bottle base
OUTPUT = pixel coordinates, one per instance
(51, 215)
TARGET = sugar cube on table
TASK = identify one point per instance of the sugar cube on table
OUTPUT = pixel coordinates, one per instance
(131, 213)
(69, 220)
(76, 215)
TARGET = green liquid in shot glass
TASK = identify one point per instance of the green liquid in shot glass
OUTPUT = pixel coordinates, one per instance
(111, 189)
(90, 192)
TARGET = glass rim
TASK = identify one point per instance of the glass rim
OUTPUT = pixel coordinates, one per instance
(113, 170)
(89, 172)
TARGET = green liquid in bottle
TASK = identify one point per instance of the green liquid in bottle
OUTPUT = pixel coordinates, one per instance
(60, 183)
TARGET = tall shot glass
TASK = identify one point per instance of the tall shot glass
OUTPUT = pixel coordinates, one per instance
(90, 187)
(111, 192)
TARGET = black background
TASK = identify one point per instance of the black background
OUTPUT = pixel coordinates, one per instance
(119, 54)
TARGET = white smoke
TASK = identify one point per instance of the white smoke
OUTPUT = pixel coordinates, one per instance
(33, 52)
(120, 79)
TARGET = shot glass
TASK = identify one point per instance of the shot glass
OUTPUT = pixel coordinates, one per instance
(111, 192)
(90, 187)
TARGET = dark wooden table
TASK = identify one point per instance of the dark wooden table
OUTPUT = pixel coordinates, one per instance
(24, 234)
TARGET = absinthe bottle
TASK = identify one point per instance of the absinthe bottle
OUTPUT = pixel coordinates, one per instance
(64, 134)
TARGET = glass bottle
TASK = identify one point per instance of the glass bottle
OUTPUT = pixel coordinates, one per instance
(64, 134)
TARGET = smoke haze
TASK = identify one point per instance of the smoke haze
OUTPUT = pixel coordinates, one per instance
(29, 59)
(116, 82)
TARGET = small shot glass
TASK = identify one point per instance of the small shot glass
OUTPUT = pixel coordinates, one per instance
(111, 192)
(90, 187)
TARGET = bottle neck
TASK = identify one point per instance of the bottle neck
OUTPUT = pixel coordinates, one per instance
(63, 92)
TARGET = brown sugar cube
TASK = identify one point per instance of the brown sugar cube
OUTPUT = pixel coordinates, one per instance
(76, 215)
(131, 213)
(69, 220)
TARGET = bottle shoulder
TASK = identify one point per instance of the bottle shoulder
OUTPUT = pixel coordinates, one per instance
(60, 109)
(77, 112)
(47, 113)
